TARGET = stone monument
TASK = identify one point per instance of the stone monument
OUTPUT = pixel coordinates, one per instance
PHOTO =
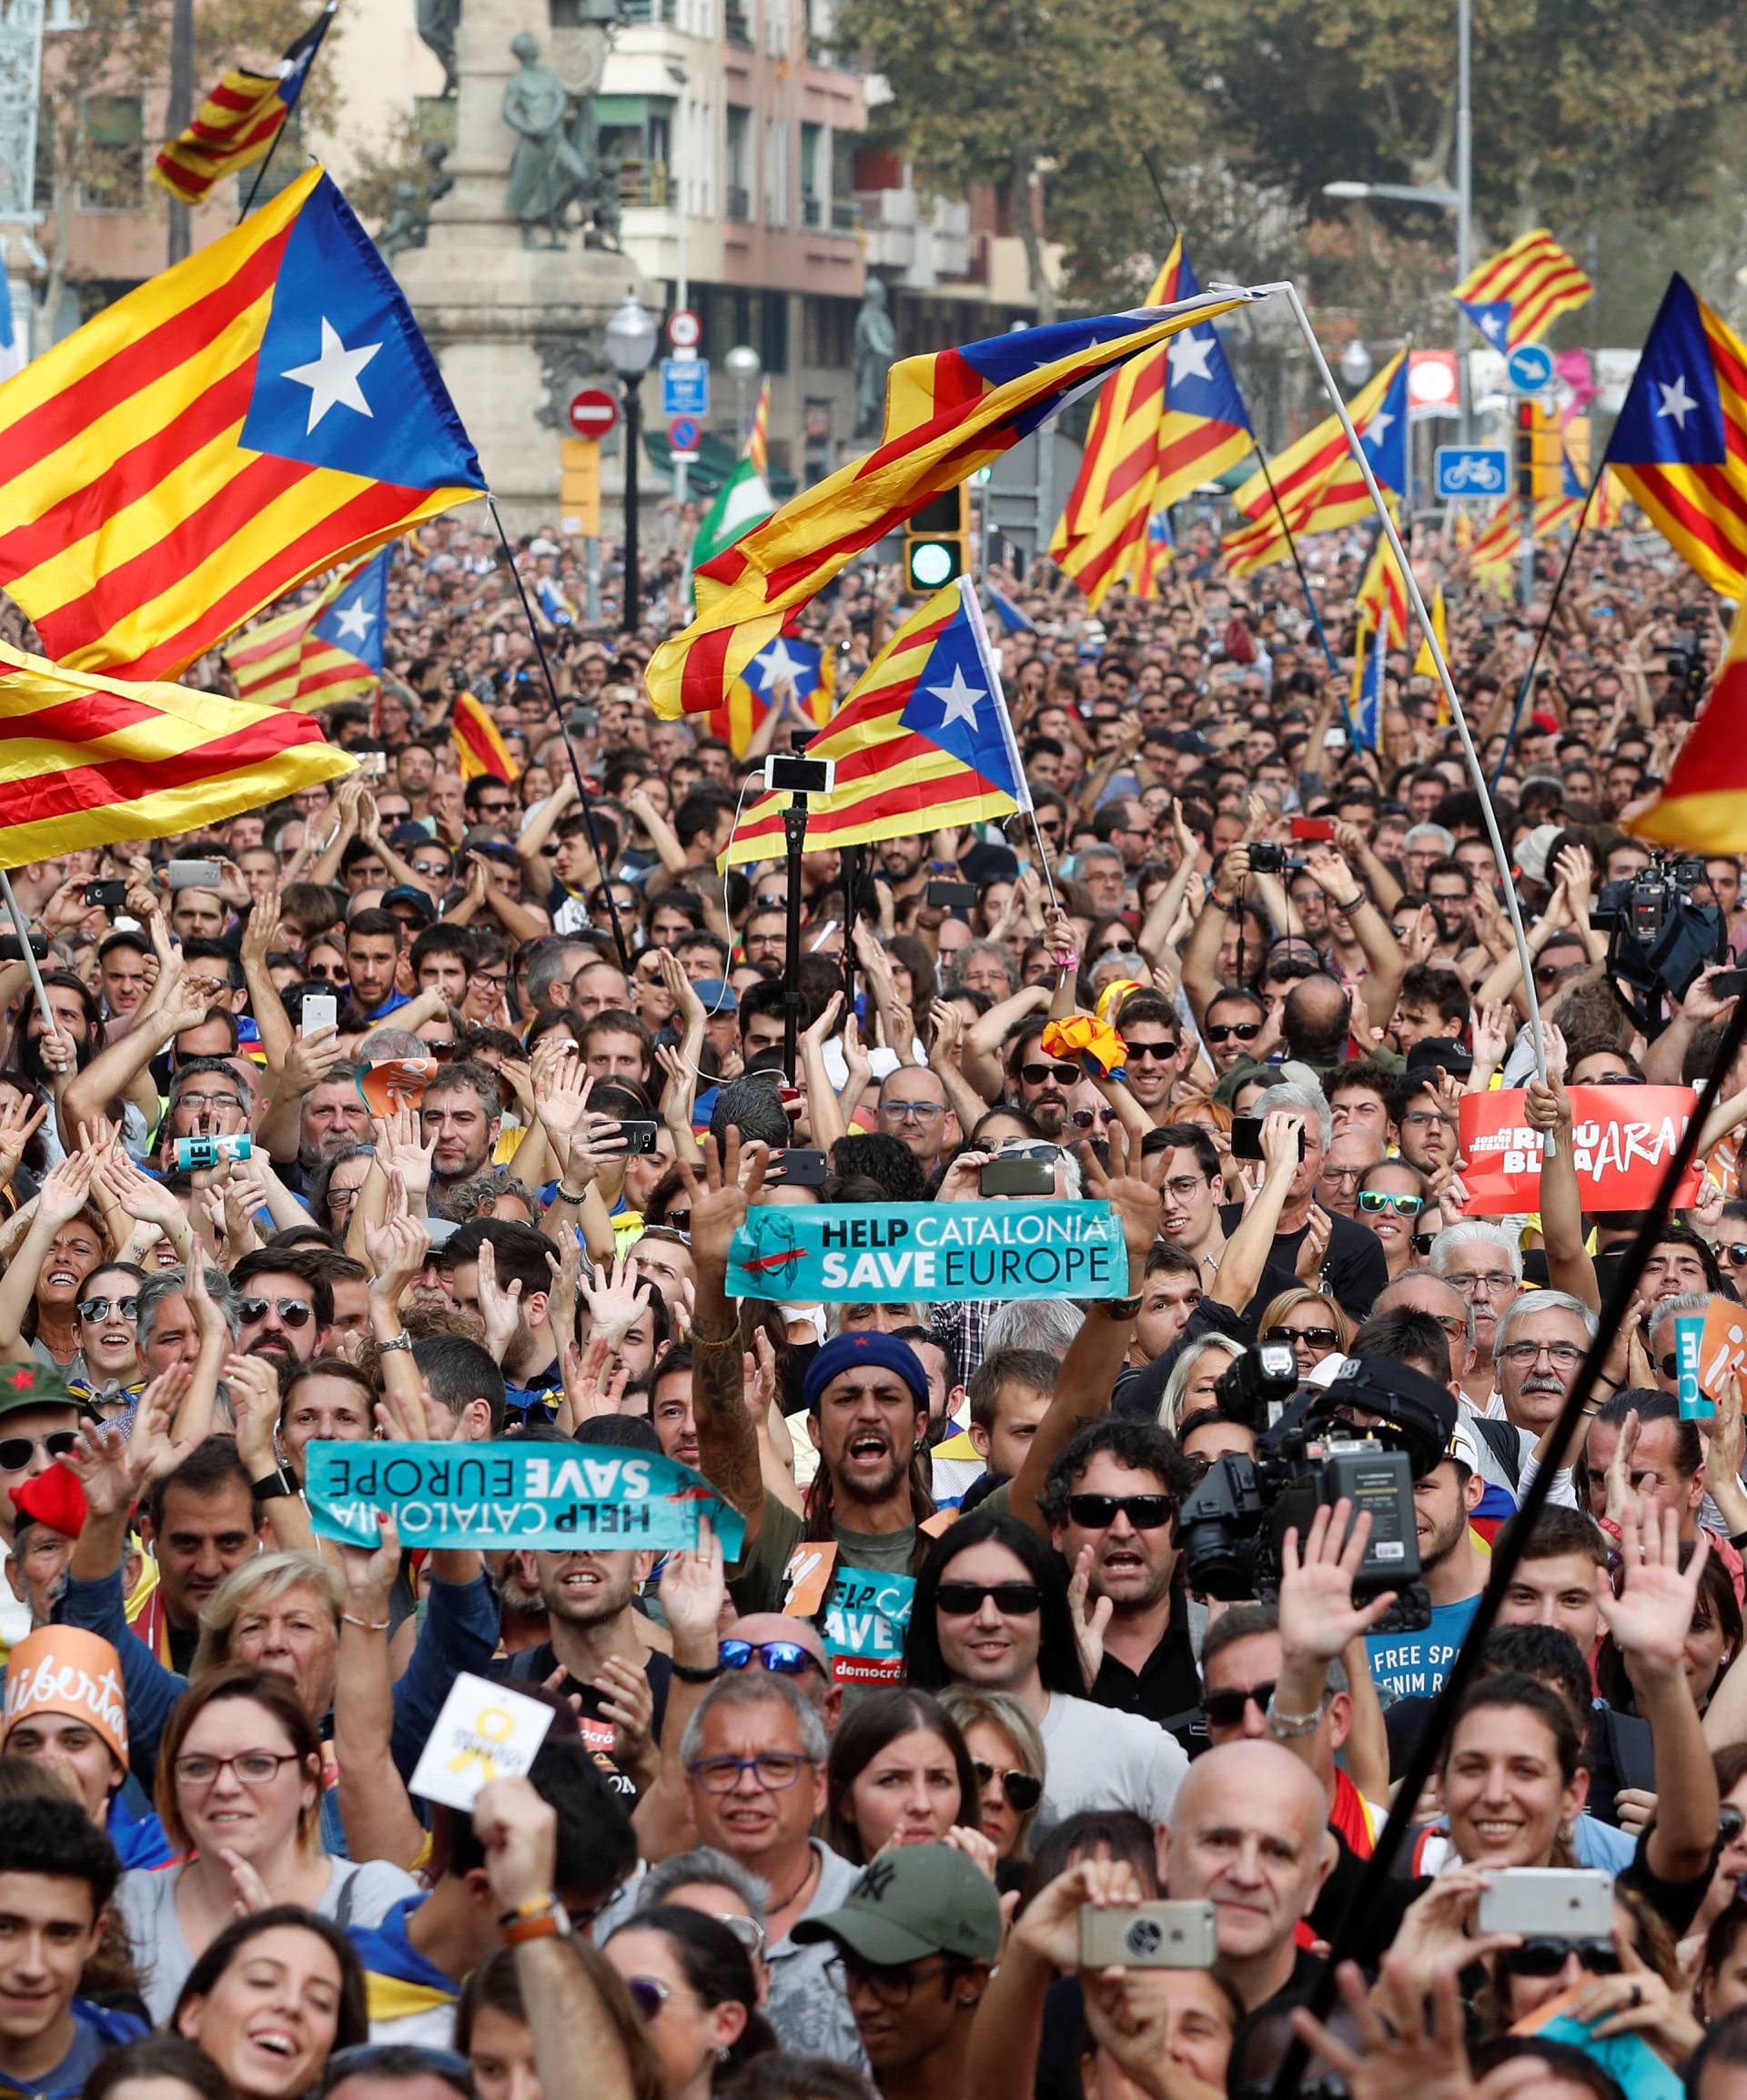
(874, 348)
(519, 268)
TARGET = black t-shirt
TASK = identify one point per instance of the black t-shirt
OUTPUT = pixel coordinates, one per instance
(1168, 1685)
(537, 1665)
(1353, 1268)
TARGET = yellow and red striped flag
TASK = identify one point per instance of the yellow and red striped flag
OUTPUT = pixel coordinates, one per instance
(239, 120)
(758, 435)
(86, 760)
(326, 650)
(1702, 807)
(1500, 544)
(258, 413)
(1316, 480)
(1383, 589)
(808, 668)
(480, 747)
(924, 741)
(1517, 295)
(945, 416)
(1157, 551)
(1165, 423)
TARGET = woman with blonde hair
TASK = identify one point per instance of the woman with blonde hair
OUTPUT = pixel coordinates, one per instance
(1007, 1757)
(1310, 1320)
(1194, 1375)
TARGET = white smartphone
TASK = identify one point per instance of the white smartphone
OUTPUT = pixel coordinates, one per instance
(1548, 1903)
(1157, 1936)
(320, 1010)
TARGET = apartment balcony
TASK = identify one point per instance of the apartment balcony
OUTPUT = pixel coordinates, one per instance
(737, 202)
(646, 182)
(637, 13)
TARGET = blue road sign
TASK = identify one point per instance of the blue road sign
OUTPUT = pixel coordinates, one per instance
(685, 387)
(684, 432)
(1529, 368)
(1471, 470)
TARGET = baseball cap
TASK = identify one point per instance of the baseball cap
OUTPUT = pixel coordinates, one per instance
(1532, 851)
(917, 1900)
(717, 994)
(1431, 1050)
(34, 1385)
(1464, 1445)
(415, 900)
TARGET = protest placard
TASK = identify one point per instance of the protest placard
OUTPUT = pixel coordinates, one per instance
(1622, 1140)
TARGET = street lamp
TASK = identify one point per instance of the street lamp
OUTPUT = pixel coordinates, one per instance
(631, 347)
(744, 365)
(1356, 366)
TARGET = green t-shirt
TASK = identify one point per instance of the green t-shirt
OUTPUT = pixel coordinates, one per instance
(757, 1584)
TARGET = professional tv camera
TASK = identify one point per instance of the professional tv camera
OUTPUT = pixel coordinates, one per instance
(1659, 940)
(1376, 1427)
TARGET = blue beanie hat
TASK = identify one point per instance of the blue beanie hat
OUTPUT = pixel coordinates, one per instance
(865, 1345)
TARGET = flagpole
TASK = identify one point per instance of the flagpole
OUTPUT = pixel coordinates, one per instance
(322, 27)
(1456, 713)
(21, 926)
(558, 716)
(1292, 548)
(1547, 625)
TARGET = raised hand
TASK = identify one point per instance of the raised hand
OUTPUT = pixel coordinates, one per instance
(629, 1702)
(733, 1176)
(1314, 1247)
(615, 1298)
(154, 1451)
(103, 1463)
(398, 1145)
(309, 1060)
(397, 1247)
(694, 1591)
(415, 1419)
(1429, 2062)
(1091, 1618)
(499, 1304)
(1318, 1615)
(254, 1388)
(1652, 1615)
(582, 1370)
(1131, 1185)
(369, 1572)
(19, 1122)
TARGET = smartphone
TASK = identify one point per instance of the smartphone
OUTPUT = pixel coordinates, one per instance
(1019, 1177)
(1729, 983)
(10, 952)
(194, 874)
(1321, 828)
(1158, 1935)
(192, 1152)
(1548, 1903)
(107, 894)
(956, 897)
(639, 1134)
(373, 765)
(1246, 1138)
(800, 1166)
(320, 1010)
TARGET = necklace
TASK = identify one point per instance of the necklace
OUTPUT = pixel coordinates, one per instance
(782, 1903)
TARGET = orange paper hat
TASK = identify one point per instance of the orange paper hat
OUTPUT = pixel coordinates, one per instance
(64, 1669)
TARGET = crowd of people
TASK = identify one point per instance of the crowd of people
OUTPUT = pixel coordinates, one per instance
(430, 1108)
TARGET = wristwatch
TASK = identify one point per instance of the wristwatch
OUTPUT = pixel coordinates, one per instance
(403, 1340)
(1121, 1308)
(282, 1480)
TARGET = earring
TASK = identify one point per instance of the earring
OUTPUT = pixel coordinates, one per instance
(721, 2052)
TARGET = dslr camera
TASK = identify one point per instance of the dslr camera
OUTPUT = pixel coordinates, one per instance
(1267, 857)
(1312, 1456)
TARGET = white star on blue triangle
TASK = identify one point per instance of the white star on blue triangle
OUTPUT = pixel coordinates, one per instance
(1197, 379)
(356, 618)
(787, 661)
(1672, 414)
(1385, 435)
(950, 705)
(343, 379)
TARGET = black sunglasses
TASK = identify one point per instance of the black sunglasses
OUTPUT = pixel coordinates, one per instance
(1226, 1709)
(1063, 1074)
(15, 1452)
(1162, 1052)
(1221, 1032)
(1422, 1242)
(1087, 1118)
(1024, 1789)
(1317, 1338)
(1144, 1512)
(1732, 1251)
(964, 1599)
(1548, 1958)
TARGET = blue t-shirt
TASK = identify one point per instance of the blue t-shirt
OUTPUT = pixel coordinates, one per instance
(1414, 1665)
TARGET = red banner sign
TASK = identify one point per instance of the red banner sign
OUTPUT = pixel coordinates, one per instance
(1624, 1138)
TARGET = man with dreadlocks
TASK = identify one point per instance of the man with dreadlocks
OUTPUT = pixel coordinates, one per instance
(867, 1414)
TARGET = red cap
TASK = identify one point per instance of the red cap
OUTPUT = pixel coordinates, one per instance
(53, 1498)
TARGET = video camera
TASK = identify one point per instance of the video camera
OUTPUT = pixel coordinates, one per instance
(1232, 1524)
(1659, 940)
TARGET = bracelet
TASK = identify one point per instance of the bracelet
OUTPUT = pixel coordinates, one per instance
(1219, 902)
(403, 1340)
(1121, 1308)
(369, 1625)
(1601, 1378)
(554, 1925)
(570, 1194)
(690, 1676)
(1353, 902)
(529, 1907)
(1285, 1727)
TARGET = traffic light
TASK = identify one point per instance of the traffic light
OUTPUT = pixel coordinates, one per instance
(936, 542)
(1541, 453)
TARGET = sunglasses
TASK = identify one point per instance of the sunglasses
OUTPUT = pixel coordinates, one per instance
(647, 1993)
(1013, 1599)
(1223, 1031)
(1087, 1118)
(1422, 1242)
(97, 1308)
(293, 1311)
(679, 1220)
(15, 1452)
(1317, 1338)
(1063, 1074)
(1548, 1958)
(1161, 1053)
(1024, 1789)
(1733, 1252)
(1379, 1199)
(1144, 1512)
(1226, 1709)
(1668, 1365)
(783, 1658)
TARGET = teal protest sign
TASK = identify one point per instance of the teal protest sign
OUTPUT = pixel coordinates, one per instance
(511, 1494)
(867, 1616)
(895, 1252)
(1696, 1404)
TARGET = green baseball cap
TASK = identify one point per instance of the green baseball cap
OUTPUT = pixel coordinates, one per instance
(31, 1384)
(911, 1902)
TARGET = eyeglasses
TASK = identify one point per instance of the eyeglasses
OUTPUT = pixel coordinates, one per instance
(1342, 1175)
(15, 1452)
(892, 1986)
(1023, 1789)
(1223, 1031)
(783, 1657)
(1087, 1118)
(1011, 1600)
(1063, 1074)
(1468, 1280)
(1379, 1199)
(1144, 1512)
(448, 2064)
(430, 868)
(1733, 1252)
(747, 1931)
(1421, 1116)
(1548, 1958)
(293, 1311)
(1564, 1356)
(337, 1197)
(910, 1111)
(97, 1308)
(251, 1767)
(1314, 1337)
(1033, 1151)
(1160, 1053)
(1422, 1245)
(198, 1102)
(647, 1993)
(776, 1772)
(1227, 1709)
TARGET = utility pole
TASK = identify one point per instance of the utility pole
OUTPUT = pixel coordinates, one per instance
(1464, 198)
(181, 109)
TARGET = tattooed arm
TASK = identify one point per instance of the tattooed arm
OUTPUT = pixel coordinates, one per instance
(727, 1435)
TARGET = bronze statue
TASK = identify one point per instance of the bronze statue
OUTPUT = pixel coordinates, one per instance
(436, 22)
(546, 173)
(875, 347)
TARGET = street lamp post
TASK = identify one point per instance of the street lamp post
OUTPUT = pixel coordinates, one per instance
(744, 367)
(630, 347)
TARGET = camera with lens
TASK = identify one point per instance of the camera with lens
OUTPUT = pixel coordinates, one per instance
(1267, 858)
(1256, 1385)
(1312, 1457)
(1659, 940)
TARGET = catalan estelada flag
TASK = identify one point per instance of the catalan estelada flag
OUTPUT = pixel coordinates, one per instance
(239, 120)
(945, 416)
(1157, 551)
(1500, 544)
(318, 653)
(1703, 808)
(924, 741)
(1371, 671)
(1165, 423)
(806, 666)
(758, 437)
(1383, 589)
(258, 413)
(479, 746)
(86, 760)
(1679, 447)
(1316, 480)
(1517, 295)
(1424, 663)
